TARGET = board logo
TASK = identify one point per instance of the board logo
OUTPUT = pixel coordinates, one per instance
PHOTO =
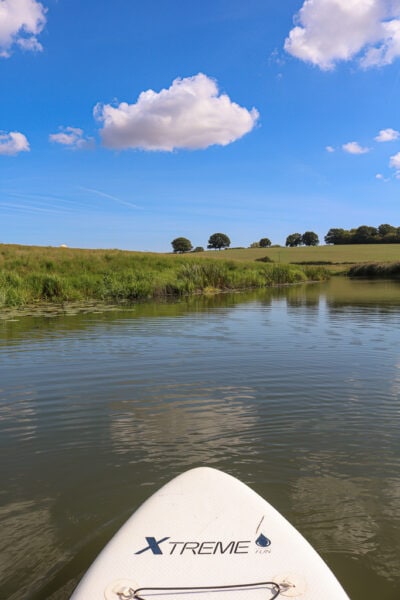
(153, 545)
(203, 547)
(262, 541)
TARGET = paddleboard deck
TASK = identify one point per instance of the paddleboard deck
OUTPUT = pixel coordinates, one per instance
(206, 535)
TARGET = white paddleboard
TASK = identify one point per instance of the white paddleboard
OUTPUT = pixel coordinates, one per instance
(207, 536)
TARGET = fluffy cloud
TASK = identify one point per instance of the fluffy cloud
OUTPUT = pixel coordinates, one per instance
(20, 23)
(72, 137)
(354, 148)
(387, 135)
(190, 114)
(330, 149)
(13, 143)
(395, 161)
(328, 31)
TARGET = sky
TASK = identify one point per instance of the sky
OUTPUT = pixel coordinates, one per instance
(127, 124)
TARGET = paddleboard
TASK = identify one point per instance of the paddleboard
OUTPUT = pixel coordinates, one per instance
(207, 536)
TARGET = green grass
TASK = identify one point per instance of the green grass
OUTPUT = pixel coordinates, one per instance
(30, 274)
(332, 257)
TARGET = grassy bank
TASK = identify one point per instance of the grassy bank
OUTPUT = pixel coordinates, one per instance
(31, 275)
(376, 270)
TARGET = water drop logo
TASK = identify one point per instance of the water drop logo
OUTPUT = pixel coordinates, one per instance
(263, 541)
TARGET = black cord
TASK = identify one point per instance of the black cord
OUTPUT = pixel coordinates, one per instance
(205, 588)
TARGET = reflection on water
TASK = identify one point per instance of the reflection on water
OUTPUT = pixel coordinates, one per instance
(296, 391)
(27, 542)
(195, 419)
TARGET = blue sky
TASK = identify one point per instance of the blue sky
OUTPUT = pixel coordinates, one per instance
(265, 118)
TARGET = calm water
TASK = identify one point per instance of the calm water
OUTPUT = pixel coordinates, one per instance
(295, 391)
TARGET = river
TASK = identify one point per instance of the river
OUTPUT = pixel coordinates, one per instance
(294, 390)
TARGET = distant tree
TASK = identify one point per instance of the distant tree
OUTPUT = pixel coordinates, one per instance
(218, 241)
(334, 236)
(265, 243)
(337, 236)
(181, 244)
(255, 245)
(365, 235)
(309, 238)
(386, 229)
(294, 239)
(199, 249)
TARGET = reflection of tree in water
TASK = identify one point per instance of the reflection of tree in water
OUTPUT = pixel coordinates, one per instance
(307, 296)
(370, 295)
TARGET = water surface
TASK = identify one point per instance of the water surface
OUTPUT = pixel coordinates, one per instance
(296, 391)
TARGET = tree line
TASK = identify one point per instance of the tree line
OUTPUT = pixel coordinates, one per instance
(217, 241)
(365, 234)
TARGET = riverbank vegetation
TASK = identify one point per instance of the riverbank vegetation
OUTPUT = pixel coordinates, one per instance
(31, 274)
(376, 270)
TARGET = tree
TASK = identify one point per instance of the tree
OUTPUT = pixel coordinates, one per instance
(337, 236)
(181, 244)
(384, 234)
(386, 229)
(218, 241)
(309, 238)
(265, 243)
(365, 235)
(294, 239)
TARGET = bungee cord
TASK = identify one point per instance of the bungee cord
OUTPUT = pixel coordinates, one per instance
(140, 593)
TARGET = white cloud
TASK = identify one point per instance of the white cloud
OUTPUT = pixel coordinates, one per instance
(329, 31)
(13, 143)
(381, 177)
(72, 137)
(354, 148)
(387, 135)
(20, 23)
(395, 161)
(190, 114)
(330, 149)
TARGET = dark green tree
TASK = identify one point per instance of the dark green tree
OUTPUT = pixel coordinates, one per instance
(265, 243)
(334, 236)
(309, 238)
(337, 236)
(294, 239)
(386, 229)
(218, 241)
(365, 235)
(384, 234)
(181, 244)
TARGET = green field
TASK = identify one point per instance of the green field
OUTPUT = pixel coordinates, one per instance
(333, 257)
(30, 275)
